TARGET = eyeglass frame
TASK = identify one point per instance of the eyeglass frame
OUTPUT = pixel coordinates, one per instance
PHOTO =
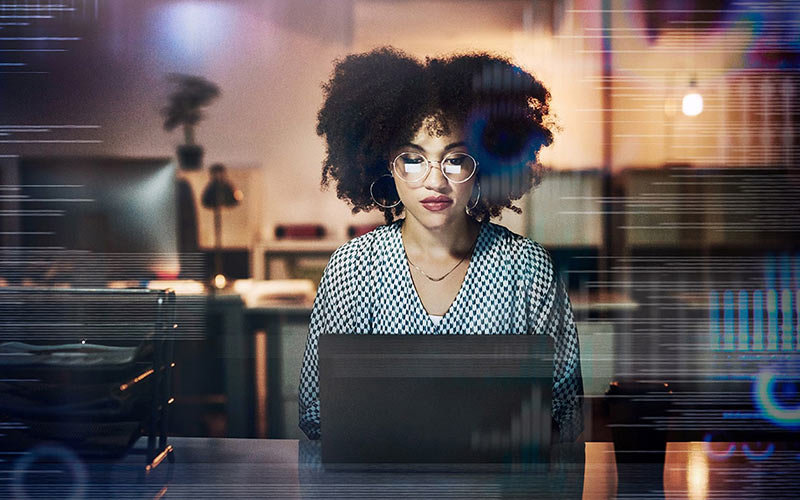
(430, 166)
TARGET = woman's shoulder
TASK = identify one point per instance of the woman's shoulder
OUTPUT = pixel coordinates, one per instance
(362, 250)
(525, 259)
(503, 241)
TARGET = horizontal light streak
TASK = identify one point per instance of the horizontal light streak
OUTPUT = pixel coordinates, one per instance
(33, 50)
(669, 11)
(49, 126)
(25, 130)
(662, 50)
(53, 141)
(39, 38)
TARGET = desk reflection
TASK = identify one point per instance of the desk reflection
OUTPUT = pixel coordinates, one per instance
(260, 468)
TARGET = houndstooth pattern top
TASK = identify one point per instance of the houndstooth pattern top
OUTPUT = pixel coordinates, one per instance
(510, 288)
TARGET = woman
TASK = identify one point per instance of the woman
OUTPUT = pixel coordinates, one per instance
(446, 143)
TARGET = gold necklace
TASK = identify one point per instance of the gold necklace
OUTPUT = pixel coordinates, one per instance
(469, 253)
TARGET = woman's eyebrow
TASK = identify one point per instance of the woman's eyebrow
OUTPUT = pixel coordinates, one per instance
(449, 146)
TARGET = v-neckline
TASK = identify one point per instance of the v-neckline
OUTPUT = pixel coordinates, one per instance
(410, 281)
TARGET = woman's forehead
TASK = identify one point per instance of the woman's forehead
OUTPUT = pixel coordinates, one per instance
(432, 139)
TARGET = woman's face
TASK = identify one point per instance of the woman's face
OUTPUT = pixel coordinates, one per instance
(434, 201)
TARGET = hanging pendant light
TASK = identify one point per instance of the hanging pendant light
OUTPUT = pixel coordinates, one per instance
(692, 101)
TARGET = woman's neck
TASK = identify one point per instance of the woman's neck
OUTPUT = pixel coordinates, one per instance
(452, 240)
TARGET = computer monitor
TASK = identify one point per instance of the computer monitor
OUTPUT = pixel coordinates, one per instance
(90, 220)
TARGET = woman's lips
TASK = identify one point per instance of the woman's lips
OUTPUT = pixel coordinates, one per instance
(436, 206)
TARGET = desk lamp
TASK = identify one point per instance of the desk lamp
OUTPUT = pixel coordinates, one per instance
(217, 194)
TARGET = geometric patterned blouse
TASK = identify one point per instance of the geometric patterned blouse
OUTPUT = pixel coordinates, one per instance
(510, 288)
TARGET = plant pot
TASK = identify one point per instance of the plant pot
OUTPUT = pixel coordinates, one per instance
(190, 156)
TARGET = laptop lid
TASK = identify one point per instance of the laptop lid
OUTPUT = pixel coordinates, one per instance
(435, 398)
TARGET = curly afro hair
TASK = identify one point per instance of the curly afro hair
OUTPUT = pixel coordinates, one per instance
(376, 101)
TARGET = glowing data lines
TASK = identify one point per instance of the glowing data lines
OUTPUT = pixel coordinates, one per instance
(714, 323)
(39, 38)
(717, 455)
(744, 321)
(766, 398)
(729, 322)
(758, 321)
(772, 320)
(786, 324)
(753, 451)
(754, 320)
(757, 455)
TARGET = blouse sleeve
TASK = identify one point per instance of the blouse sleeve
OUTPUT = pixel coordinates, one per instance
(337, 288)
(309, 372)
(559, 323)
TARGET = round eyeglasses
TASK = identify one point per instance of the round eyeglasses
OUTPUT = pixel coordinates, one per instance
(414, 167)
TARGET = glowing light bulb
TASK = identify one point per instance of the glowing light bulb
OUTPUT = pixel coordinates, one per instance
(220, 281)
(692, 104)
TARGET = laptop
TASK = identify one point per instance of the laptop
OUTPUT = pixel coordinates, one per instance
(435, 399)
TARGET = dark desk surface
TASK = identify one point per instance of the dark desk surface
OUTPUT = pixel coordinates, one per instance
(250, 468)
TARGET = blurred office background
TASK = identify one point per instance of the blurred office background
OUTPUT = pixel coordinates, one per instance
(671, 208)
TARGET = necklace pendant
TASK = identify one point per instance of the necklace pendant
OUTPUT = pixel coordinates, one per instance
(431, 278)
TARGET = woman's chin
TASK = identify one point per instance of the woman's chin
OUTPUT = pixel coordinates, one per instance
(439, 219)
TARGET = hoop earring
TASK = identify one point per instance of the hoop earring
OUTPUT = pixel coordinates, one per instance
(372, 194)
(469, 209)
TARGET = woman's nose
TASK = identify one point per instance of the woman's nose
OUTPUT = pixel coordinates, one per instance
(435, 178)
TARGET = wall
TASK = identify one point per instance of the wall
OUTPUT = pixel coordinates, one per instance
(270, 57)
(739, 58)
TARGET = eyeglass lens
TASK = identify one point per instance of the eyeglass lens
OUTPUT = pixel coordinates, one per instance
(411, 167)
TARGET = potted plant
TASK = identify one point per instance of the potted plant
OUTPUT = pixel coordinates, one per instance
(185, 108)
